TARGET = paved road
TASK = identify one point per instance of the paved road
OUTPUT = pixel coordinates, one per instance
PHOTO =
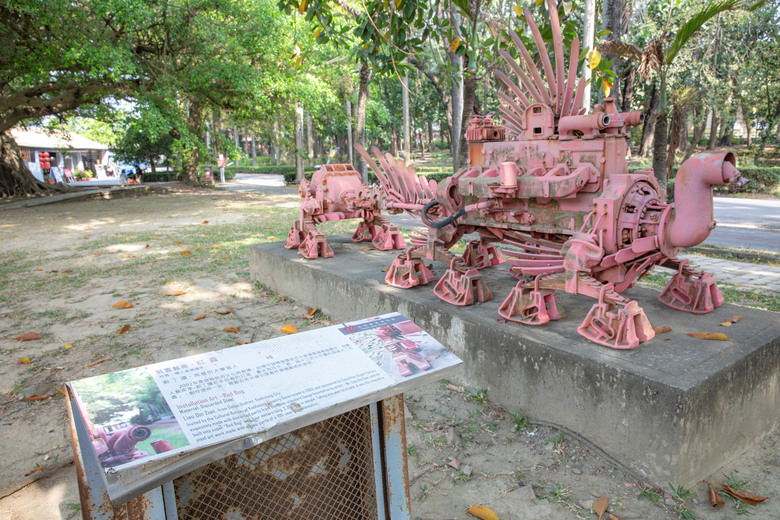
(746, 223)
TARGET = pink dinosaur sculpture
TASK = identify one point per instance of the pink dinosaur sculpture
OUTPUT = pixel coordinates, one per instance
(558, 191)
(336, 193)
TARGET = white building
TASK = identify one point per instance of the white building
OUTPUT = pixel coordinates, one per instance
(68, 152)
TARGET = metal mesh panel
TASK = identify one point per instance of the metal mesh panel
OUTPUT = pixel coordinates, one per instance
(320, 472)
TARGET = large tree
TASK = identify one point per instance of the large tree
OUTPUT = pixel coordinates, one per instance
(59, 55)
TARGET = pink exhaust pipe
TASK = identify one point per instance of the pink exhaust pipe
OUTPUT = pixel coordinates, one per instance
(693, 195)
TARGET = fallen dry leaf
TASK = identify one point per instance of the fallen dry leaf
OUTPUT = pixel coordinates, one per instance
(38, 269)
(225, 257)
(454, 464)
(88, 365)
(24, 361)
(715, 499)
(124, 329)
(385, 269)
(69, 345)
(147, 246)
(178, 241)
(214, 247)
(29, 336)
(311, 312)
(205, 222)
(743, 496)
(239, 342)
(454, 388)
(174, 293)
(33, 471)
(231, 329)
(600, 506)
(289, 329)
(224, 312)
(199, 317)
(123, 305)
(197, 248)
(368, 249)
(36, 398)
(709, 335)
(731, 321)
(662, 330)
(482, 512)
(613, 517)
(55, 271)
(186, 252)
(67, 271)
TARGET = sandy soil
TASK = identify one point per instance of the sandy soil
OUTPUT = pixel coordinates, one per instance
(65, 265)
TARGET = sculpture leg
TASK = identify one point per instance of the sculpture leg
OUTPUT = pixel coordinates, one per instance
(364, 232)
(616, 322)
(462, 288)
(691, 290)
(406, 272)
(388, 237)
(531, 306)
(480, 255)
(315, 245)
(294, 237)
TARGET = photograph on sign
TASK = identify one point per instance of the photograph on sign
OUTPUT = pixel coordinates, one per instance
(127, 416)
(398, 346)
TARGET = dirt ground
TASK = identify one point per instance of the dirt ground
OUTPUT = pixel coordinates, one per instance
(65, 265)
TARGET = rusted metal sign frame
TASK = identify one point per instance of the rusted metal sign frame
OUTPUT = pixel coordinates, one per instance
(388, 437)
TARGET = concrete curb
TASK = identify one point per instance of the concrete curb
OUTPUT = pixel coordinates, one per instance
(737, 255)
(105, 193)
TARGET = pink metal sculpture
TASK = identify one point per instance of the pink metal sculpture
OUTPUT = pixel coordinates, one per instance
(559, 191)
(336, 193)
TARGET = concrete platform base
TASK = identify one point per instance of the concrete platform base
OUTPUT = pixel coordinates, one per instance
(675, 409)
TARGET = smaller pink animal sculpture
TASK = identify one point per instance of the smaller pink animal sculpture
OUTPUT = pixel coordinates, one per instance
(337, 193)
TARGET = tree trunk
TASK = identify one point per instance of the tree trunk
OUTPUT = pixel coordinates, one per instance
(349, 133)
(697, 134)
(612, 20)
(659, 150)
(456, 118)
(648, 130)
(590, 31)
(405, 101)
(15, 178)
(628, 89)
(276, 140)
(309, 140)
(298, 142)
(393, 141)
(191, 160)
(469, 97)
(254, 151)
(360, 125)
(713, 130)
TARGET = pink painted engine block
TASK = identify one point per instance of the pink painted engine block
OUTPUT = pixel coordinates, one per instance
(553, 183)
(336, 193)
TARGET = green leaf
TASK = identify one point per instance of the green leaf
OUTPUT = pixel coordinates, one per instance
(695, 22)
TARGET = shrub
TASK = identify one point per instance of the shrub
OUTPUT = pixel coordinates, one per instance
(162, 176)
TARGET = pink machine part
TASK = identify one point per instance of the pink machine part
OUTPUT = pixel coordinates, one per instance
(553, 183)
(336, 193)
(402, 350)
